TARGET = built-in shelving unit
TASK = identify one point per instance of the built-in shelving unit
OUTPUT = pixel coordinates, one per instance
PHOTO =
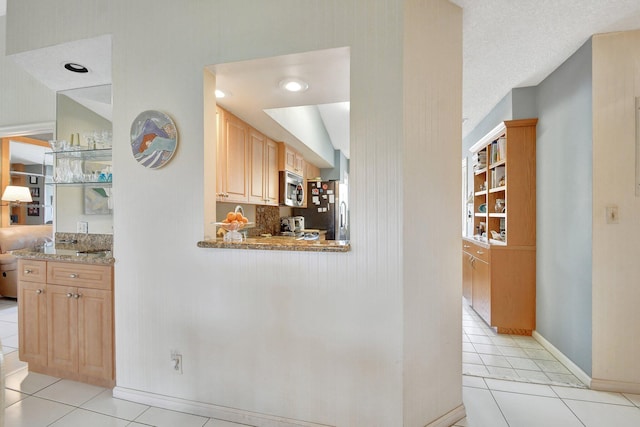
(82, 167)
(499, 261)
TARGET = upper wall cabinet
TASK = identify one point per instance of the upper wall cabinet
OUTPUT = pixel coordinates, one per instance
(290, 160)
(263, 181)
(247, 163)
(232, 181)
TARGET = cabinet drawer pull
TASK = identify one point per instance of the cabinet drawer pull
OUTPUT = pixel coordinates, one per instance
(39, 291)
(28, 271)
(69, 295)
(479, 252)
(466, 246)
(73, 275)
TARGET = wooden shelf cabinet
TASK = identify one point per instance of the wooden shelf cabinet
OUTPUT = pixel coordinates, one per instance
(65, 320)
(500, 284)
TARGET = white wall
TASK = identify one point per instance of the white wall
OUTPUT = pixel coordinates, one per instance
(329, 338)
(24, 100)
(616, 270)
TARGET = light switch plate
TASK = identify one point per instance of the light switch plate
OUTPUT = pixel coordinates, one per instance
(82, 227)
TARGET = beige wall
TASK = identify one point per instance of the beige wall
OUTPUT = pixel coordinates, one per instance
(366, 338)
(616, 266)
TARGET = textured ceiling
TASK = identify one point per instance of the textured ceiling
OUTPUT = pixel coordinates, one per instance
(517, 43)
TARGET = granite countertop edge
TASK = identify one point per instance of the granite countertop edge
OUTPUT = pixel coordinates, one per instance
(270, 245)
(83, 259)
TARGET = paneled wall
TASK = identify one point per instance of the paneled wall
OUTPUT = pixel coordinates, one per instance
(616, 318)
(365, 338)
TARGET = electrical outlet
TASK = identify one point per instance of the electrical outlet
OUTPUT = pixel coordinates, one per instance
(176, 362)
(612, 214)
(82, 227)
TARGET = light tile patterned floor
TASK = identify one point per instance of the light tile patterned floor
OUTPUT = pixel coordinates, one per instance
(35, 400)
(510, 357)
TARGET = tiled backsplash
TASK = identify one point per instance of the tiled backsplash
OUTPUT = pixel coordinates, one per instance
(267, 221)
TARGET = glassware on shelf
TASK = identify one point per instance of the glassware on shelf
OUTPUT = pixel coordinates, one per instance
(58, 144)
(76, 171)
(62, 172)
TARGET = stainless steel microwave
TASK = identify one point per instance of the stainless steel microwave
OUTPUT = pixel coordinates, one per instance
(291, 189)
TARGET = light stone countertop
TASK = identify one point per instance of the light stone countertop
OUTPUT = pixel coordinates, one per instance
(51, 253)
(280, 243)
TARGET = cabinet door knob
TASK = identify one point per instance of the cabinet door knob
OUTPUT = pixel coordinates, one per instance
(28, 271)
(76, 296)
(69, 295)
(39, 291)
(73, 275)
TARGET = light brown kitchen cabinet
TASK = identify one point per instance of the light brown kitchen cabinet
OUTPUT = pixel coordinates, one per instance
(32, 312)
(74, 312)
(272, 186)
(503, 283)
(290, 160)
(232, 174)
(311, 171)
(247, 163)
(467, 274)
(263, 168)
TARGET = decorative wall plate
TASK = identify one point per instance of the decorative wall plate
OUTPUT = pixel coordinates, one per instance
(154, 139)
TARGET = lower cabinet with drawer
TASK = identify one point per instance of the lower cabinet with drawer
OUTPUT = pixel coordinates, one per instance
(65, 320)
(499, 282)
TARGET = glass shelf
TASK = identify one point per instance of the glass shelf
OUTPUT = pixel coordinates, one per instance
(82, 167)
(82, 184)
(97, 154)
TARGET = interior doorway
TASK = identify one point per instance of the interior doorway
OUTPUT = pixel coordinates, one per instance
(23, 163)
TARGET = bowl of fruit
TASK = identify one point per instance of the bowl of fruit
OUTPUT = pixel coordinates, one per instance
(232, 224)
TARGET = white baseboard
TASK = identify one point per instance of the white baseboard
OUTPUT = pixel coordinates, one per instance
(450, 418)
(572, 367)
(244, 417)
(208, 410)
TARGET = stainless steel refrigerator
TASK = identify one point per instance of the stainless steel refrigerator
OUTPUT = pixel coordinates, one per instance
(326, 209)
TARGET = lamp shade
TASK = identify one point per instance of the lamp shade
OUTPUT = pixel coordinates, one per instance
(14, 193)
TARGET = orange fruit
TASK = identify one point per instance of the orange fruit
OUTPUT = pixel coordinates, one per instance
(231, 216)
(238, 216)
(245, 219)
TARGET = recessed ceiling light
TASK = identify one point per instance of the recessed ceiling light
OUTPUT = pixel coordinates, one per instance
(76, 68)
(220, 94)
(294, 85)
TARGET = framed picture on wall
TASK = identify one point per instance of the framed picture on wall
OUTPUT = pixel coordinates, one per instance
(33, 180)
(33, 209)
(35, 192)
